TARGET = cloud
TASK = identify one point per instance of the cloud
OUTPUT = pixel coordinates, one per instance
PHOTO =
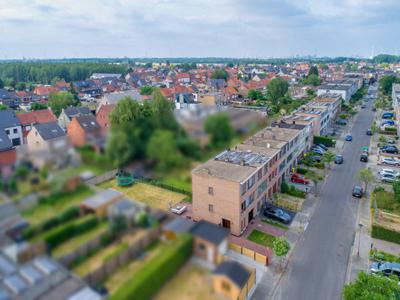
(251, 28)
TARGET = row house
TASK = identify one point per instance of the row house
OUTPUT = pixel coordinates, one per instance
(31, 118)
(230, 189)
(396, 102)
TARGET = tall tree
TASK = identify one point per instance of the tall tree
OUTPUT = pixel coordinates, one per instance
(162, 149)
(366, 176)
(163, 114)
(386, 82)
(313, 71)
(372, 287)
(218, 126)
(60, 100)
(38, 106)
(220, 74)
(276, 89)
(1, 84)
(328, 157)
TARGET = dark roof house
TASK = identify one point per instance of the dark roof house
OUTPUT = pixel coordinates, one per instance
(234, 271)
(210, 232)
(49, 130)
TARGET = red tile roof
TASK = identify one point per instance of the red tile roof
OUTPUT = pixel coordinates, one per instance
(39, 116)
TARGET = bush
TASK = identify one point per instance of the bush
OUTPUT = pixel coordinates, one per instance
(284, 187)
(319, 165)
(385, 234)
(62, 233)
(296, 192)
(390, 129)
(301, 170)
(69, 214)
(379, 189)
(327, 141)
(149, 279)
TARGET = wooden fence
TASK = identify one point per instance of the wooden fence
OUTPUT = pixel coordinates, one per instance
(260, 258)
(101, 178)
(98, 275)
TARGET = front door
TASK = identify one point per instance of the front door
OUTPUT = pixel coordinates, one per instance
(251, 215)
(226, 223)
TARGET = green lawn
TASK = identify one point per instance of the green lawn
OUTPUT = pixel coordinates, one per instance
(75, 242)
(385, 201)
(41, 212)
(261, 238)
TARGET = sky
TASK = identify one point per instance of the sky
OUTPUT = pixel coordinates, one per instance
(198, 28)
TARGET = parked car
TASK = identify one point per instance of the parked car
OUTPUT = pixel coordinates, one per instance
(318, 147)
(357, 191)
(322, 146)
(385, 268)
(363, 106)
(277, 214)
(341, 122)
(317, 158)
(388, 122)
(389, 149)
(339, 159)
(389, 178)
(297, 178)
(369, 131)
(374, 109)
(389, 171)
(387, 115)
(178, 209)
(318, 151)
(349, 138)
(390, 161)
(364, 157)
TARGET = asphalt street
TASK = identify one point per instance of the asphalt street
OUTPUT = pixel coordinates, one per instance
(317, 269)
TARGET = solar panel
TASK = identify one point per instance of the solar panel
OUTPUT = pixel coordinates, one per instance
(31, 274)
(15, 283)
(6, 267)
(45, 265)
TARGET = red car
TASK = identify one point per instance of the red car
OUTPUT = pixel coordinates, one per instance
(297, 178)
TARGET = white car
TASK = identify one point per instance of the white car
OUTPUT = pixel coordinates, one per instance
(388, 178)
(390, 161)
(179, 209)
(385, 171)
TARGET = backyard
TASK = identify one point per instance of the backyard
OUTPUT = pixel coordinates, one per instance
(104, 254)
(77, 241)
(261, 238)
(153, 196)
(56, 204)
(190, 282)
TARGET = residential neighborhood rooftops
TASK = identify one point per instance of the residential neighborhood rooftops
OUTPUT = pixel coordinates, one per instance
(101, 198)
(114, 98)
(244, 158)
(49, 131)
(88, 122)
(8, 118)
(73, 111)
(38, 116)
(5, 142)
(210, 232)
(234, 271)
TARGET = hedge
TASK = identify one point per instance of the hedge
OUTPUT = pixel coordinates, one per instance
(327, 141)
(62, 233)
(68, 214)
(301, 171)
(151, 277)
(385, 234)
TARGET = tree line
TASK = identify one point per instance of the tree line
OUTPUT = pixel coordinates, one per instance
(12, 73)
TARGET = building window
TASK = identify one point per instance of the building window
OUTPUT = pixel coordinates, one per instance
(259, 174)
(15, 130)
(202, 247)
(242, 189)
(210, 190)
(210, 208)
(251, 181)
(8, 131)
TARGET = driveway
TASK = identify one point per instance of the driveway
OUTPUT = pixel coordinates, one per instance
(317, 269)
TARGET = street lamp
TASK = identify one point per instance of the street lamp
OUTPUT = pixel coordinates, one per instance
(359, 238)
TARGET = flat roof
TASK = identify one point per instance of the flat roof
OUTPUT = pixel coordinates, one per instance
(102, 198)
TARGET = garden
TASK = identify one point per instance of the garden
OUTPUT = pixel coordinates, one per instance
(153, 196)
(261, 238)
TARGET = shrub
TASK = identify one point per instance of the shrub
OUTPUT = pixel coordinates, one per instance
(62, 233)
(149, 279)
(390, 129)
(379, 189)
(319, 165)
(49, 223)
(301, 170)
(69, 214)
(385, 234)
(327, 141)
(284, 187)
(296, 192)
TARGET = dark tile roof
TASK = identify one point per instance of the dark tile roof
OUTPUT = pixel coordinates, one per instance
(73, 111)
(5, 143)
(210, 232)
(8, 118)
(50, 130)
(234, 271)
(88, 123)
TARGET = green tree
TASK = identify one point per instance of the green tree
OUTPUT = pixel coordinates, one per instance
(372, 287)
(162, 149)
(315, 178)
(276, 89)
(220, 74)
(396, 190)
(3, 107)
(1, 84)
(38, 106)
(120, 148)
(163, 114)
(366, 176)
(328, 158)
(254, 94)
(146, 90)
(281, 247)
(60, 100)
(313, 71)
(314, 80)
(219, 127)
(386, 82)
(20, 86)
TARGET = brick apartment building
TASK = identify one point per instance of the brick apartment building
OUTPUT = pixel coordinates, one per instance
(229, 189)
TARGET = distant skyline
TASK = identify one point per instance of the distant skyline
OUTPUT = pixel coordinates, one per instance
(198, 28)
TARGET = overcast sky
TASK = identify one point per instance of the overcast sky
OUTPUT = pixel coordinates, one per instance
(200, 28)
